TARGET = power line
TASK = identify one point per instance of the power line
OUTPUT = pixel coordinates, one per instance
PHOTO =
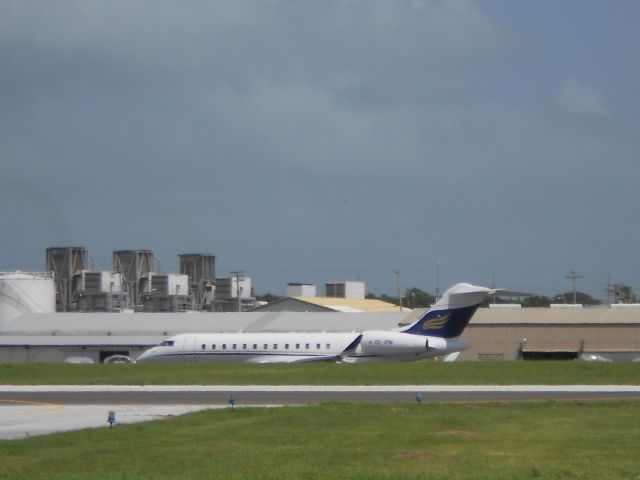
(574, 276)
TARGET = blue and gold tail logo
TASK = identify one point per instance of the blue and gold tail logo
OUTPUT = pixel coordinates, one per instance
(442, 323)
(437, 322)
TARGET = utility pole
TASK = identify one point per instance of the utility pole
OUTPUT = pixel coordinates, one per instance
(398, 287)
(493, 285)
(238, 275)
(574, 276)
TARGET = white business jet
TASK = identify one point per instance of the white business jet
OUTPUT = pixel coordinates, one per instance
(434, 334)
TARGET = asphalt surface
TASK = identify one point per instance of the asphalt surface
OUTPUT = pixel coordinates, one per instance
(304, 395)
(36, 410)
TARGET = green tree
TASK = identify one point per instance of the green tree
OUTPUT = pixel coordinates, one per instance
(536, 301)
(384, 298)
(622, 294)
(268, 297)
(416, 298)
(412, 298)
(581, 298)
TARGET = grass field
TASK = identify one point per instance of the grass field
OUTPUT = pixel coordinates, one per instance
(569, 440)
(425, 373)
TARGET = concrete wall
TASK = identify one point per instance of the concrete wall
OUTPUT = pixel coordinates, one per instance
(21, 354)
(506, 342)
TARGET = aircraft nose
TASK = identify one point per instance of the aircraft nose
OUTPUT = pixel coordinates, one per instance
(145, 355)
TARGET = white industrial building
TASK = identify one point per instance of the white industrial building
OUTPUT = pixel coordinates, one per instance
(301, 290)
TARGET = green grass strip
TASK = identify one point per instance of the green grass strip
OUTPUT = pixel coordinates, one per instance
(421, 373)
(568, 440)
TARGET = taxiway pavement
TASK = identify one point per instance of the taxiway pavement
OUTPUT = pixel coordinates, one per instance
(33, 410)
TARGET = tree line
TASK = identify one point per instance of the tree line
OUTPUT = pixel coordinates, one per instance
(417, 298)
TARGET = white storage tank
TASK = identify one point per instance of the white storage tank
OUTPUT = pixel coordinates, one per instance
(22, 292)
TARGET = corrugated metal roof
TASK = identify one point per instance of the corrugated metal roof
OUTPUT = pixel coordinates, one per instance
(165, 324)
(352, 305)
(80, 341)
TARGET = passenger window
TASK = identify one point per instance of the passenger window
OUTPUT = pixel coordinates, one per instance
(204, 346)
(265, 346)
(318, 346)
(297, 346)
(306, 346)
(328, 346)
(235, 346)
(275, 346)
(224, 346)
(244, 346)
(286, 346)
(255, 346)
(213, 347)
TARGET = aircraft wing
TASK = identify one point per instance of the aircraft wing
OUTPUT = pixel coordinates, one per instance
(295, 359)
(347, 352)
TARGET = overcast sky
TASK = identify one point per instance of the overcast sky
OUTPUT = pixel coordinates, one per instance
(307, 141)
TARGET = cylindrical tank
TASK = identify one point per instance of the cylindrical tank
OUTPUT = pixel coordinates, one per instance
(133, 265)
(200, 267)
(22, 293)
(66, 263)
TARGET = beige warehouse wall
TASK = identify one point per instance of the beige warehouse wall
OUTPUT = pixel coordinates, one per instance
(504, 341)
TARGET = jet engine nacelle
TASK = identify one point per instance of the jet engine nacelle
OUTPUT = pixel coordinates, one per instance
(392, 343)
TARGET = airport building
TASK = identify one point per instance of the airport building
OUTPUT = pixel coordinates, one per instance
(73, 311)
(608, 332)
(348, 296)
(526, 334)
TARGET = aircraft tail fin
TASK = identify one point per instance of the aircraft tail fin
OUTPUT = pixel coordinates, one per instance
(450, 315)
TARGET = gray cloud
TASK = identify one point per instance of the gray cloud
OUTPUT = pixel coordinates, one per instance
(306, 139)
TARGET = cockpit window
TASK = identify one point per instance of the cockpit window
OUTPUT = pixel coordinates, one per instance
(167, 343)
